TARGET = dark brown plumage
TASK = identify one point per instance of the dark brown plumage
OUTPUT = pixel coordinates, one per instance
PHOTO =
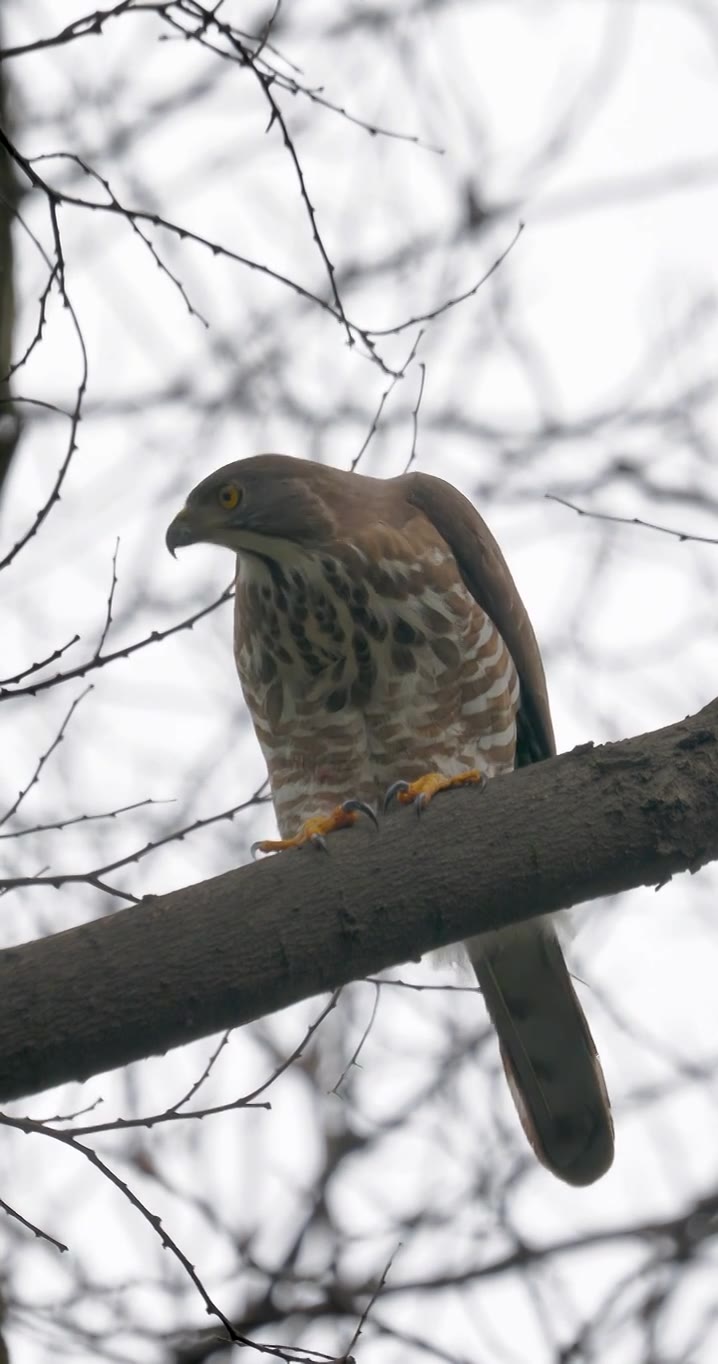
(379, 636)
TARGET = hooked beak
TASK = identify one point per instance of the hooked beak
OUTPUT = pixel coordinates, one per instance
(179, 532)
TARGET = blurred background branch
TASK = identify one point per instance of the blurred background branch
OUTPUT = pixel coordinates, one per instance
(9, 207)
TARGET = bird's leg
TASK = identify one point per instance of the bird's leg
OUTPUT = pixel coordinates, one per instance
(423, 790)
(314, 830)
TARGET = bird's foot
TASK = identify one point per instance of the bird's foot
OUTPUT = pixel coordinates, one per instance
(420, 792)
(315, 830)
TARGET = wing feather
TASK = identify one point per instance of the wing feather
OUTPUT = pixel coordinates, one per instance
(488, 578)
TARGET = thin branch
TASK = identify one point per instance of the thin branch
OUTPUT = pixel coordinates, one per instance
(354, 1058)
(36, 402)
(115, 208)
(58, 270)
(92, 24)
(93, 877)
(410, 985)
(100, 179)
(43, 663)
(70, 1117)
(385, 395)
(276, 116)
(205, 1074)
(101, 660)
(334, 307)
(150, 1120)
(263, 39)
(380, 1286)
(37, 336)
(245, 1101)
(451, 302)
(298, 1051)
(68, 1139)
(266, 80)
(415, 419)
(374, 129)
(681, 535)
(60, 824)
(290, 84)
(114, 891)
(110, 601)
(24, 792)
(79, 28)
(36, 1231)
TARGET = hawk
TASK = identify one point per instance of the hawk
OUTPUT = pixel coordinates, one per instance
(382, 645)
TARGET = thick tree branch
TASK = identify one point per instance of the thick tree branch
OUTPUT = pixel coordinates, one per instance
(211, 956)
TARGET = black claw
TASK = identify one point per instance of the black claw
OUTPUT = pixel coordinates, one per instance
(361, 808)
(255, 848)
(420, 804)
(394, 790)
(319, 842)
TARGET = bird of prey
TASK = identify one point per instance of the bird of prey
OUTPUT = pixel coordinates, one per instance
(382, 644)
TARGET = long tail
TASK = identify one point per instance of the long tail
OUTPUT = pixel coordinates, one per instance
(549, 1055)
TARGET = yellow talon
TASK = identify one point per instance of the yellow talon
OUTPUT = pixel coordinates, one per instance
(425, 788)
(315, 829)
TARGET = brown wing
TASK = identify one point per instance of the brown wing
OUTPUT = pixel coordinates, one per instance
(487, 576)
(548, 1053)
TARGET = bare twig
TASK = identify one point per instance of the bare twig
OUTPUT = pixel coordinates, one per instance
(100, 179)
(58, 271)
(133, 216)
(79, 28)
(101, 660)
(365, 1314)
(93, 877)
(245, 1101)
(149, 1120)
(354, 1058)
(22, 794)
(43, 663)
(70, 1117)
(110, 600)
(298, 1051)
(415, 419)
(385, 395)
(410, 985)
(266, 80)
(681, 535)
(205, 1073)
(37, 336)
(60, 824)
(69, 1140)
(454, 302)
(36, 1231)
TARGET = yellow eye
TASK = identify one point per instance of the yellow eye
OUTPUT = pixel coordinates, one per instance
(229, 496)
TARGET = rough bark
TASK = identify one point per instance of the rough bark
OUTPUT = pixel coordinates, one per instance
(180, 966)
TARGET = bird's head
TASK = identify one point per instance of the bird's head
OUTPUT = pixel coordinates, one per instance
(260, 506)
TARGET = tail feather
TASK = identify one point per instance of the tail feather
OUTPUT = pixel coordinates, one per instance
(549, 1055)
